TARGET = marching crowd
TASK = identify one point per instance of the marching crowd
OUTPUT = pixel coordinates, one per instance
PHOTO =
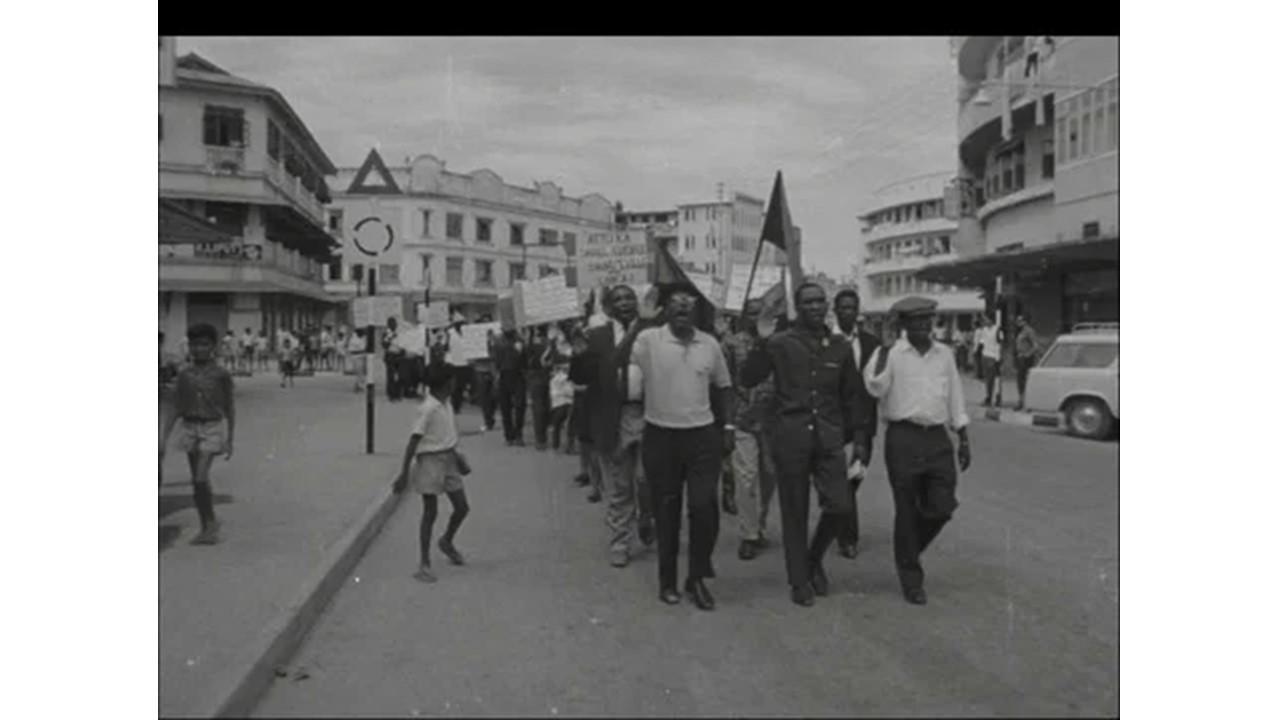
(660, 411)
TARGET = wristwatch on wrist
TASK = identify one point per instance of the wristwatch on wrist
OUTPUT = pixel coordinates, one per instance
(730, 427)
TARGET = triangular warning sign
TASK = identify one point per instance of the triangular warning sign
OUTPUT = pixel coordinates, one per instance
(383, 184)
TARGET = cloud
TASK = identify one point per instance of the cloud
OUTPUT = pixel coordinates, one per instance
(649, 121)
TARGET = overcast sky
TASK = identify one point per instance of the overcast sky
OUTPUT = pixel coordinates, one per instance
(650, 122)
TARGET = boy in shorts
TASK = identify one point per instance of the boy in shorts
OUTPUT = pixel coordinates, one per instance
(437, 466)
(202, 400)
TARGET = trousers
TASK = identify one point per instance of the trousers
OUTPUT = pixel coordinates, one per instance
(799, 462)
(622, 475)
(676, 459)
(922, 475)
(755, 478)
(511, 398)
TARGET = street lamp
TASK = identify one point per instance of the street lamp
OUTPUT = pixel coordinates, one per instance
(982, 98)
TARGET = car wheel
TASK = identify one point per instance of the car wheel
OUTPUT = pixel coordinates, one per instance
(1089, 418)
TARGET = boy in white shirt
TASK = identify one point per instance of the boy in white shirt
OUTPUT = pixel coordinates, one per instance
(437, 466)
(561, 402)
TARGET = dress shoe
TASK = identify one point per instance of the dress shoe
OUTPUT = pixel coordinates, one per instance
(669, 596)
(594, 497)
(802, 595)
(821, 586)
(849, 550)
(916, 596)
(700, 594)
(747, 550)
(646, 534)
(582, 480)
(518, 442)
(619, 558)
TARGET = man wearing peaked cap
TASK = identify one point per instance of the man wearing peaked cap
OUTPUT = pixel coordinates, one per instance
(920, 394)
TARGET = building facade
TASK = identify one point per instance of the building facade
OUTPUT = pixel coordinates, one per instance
(713, 237)
(1037, 193)
(465, 237)
(905, 229)
(235, 156)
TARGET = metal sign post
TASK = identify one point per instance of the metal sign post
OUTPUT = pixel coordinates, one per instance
(370, 349)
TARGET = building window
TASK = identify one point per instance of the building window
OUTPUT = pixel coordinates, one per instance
(548, 237)
(1114, 111)
(425, 268)
(389, 274)
(1091, 230)
(224, 126)
(335, 270)
(516, 273)
(357, 272)
(484, 230)
(453, 271)
(453, 226)
(426, 223)
(484, 273)
(335, 220)
(1046, 159)
(570, 240)
(1086, 131)
(544, 270)
(517, 234)
(1073, 138)
(273, 140)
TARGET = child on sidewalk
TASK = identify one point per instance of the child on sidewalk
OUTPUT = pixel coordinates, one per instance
(203, 398)
(438, 466)
(561, 402)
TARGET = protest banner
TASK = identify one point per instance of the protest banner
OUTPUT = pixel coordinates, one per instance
(544, 301)
(435, 315)
(612, 258)
(766, 277)
(474, 343)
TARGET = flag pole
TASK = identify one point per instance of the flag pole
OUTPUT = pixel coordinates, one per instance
(752, 277)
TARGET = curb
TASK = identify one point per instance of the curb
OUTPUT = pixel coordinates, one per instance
(254, 669)
(1024, 419)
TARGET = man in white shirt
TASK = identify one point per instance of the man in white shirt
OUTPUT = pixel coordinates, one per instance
(463, 374)
(987, 339)
(920, 394)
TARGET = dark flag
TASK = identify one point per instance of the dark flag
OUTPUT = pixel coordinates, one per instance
(779, 232)
(668, 276)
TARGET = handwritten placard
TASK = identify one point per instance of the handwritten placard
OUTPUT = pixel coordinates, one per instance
(474, 343)
(544, 301)
(766, 277)
(613, 258)
(376, 310)
(435, 315)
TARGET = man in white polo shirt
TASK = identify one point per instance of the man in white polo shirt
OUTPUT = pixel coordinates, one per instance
(463, 375)
(685, 437)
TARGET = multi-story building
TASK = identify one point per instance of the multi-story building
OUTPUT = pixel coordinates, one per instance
(466, 237)
(1038, 192)
(664, 225)
(712, 237)
(904, 229)
(236, 157)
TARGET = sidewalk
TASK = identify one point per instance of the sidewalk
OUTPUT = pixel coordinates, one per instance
(975, 391)
(297, 483)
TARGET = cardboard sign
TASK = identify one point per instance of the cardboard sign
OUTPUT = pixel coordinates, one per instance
(435, 315)
(376, 310)
(766, 277)
(474, 342)
(548, 300)
(613, 258)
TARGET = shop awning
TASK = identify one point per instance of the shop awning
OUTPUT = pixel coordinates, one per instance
(1072, 255)
(178, 226)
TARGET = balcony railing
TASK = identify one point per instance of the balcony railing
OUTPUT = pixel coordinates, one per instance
(224, 160)
(267, 256)
(293, 188)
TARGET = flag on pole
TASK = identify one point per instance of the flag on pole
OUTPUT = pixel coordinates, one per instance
(779, 232)
(667, 276)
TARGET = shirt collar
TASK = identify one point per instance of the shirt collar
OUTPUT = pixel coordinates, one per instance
(671, 337)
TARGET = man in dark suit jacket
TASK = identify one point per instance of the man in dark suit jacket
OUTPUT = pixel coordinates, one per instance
(863, 345)
(615, 422)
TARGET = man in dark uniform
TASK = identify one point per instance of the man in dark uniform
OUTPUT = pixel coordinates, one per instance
(508, 360)
(863, 345)
(817, 386)
(920, 394)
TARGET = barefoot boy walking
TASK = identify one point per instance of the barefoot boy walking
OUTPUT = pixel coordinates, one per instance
(437, 467)
(203, 399)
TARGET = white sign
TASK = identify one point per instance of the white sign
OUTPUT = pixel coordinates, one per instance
(435, 315)
(613, 258)
(766, 277)
(475, 339)
(376, 310)
(544, 301)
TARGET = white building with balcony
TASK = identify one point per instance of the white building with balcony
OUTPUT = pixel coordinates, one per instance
(1037, 191)
(466, 237)
(234, 155)
(712, 237)
(905, 229)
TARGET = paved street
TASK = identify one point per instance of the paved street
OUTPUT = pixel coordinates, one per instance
(1022, 617)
